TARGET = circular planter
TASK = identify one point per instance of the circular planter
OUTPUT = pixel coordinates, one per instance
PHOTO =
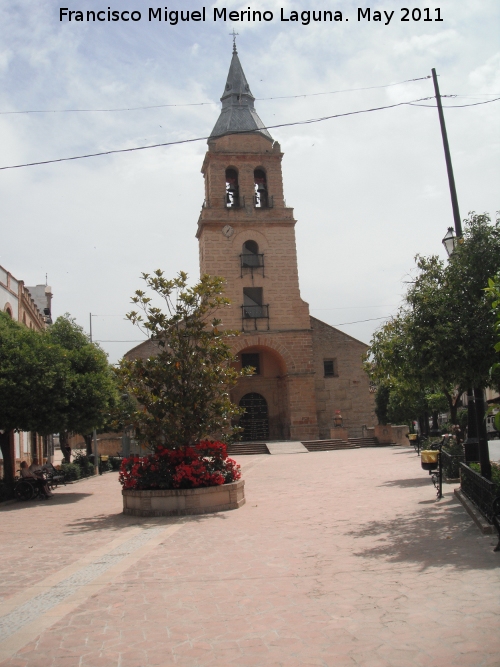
(179, 502)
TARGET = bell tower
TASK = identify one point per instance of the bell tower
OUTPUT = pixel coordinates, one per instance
(246, 234)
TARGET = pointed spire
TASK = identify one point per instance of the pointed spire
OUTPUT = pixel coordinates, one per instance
(238, 112)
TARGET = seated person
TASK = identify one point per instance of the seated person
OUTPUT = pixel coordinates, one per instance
(38, 481)
(36, 468)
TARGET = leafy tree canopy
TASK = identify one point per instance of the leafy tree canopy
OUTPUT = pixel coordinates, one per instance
(52, 381)
(33, 379)
(442, 339)
(91, 387)
(182, 390)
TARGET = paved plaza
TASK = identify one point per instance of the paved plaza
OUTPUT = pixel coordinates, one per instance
(337, 559)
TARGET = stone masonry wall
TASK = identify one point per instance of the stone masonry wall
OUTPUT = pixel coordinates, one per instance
(348, 391)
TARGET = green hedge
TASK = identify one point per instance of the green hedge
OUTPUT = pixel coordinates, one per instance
(71, 471)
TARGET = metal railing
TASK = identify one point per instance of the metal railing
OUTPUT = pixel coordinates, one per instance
(251, 262)
(451, 464)
(478, 490)
(254, 313)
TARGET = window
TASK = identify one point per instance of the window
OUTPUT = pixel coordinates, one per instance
(252, 301)
(253, 307)
(232, 189)
(329, 367)
(260, 198)
(251, 359)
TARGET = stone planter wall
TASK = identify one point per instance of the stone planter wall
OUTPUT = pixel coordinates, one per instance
(178, 502)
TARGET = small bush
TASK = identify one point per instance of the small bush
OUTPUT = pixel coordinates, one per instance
(115, 462)
(71, 471)
(85, 463)
(106, 466)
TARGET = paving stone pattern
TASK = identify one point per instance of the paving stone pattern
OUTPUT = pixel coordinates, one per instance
(340, 558)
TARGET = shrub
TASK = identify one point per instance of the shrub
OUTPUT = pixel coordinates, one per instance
(115, 462)
(85, 463)
(204, 464)
(71, 471)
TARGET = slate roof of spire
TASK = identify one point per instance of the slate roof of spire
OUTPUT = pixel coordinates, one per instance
(238, 112)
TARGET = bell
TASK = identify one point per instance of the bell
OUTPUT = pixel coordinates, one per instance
(261, 187)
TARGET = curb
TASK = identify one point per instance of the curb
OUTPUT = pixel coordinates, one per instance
(483, 525)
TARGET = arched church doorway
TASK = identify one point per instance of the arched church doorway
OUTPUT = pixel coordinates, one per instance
(255, 421)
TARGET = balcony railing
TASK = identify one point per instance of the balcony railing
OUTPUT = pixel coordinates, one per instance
(251, 261)
(254, 313)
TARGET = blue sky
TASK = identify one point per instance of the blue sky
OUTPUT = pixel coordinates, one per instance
(370, 191)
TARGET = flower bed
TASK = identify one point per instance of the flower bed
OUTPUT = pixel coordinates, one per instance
(187, 480)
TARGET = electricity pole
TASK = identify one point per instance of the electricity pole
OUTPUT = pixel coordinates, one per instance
(477, 437)
(447, 157)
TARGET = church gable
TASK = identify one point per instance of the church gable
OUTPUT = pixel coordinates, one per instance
(340, 381)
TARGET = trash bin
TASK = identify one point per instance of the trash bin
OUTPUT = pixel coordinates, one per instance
(429, 459)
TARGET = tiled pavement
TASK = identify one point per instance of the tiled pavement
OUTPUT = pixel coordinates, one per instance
(338, 559)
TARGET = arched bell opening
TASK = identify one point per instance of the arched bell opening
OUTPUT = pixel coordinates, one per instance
(250, 256)
(261, 197)
(255, 420)
(232, 188)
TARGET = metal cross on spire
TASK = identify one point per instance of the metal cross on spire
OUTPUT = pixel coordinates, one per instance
(234, 35)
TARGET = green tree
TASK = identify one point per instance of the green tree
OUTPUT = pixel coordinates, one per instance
(92, 390)
(493, 291)
(442, 339)
(33, 384)
(182, 390)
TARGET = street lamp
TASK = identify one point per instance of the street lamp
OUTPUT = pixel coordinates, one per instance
(449, 241)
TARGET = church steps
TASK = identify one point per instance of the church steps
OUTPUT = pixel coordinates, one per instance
(328, 445)
(247, 448)
(365, 442)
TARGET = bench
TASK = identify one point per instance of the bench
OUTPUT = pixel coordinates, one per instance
(54, 476)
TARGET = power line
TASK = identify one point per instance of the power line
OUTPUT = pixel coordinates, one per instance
(383, 305)
(268, 127)
(372, 319)
(143, 340)
(188, 141)
(199, 104)
(453, 106)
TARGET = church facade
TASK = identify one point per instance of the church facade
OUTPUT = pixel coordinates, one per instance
(306, 372)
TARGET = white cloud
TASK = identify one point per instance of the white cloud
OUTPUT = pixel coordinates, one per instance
(369, 191)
